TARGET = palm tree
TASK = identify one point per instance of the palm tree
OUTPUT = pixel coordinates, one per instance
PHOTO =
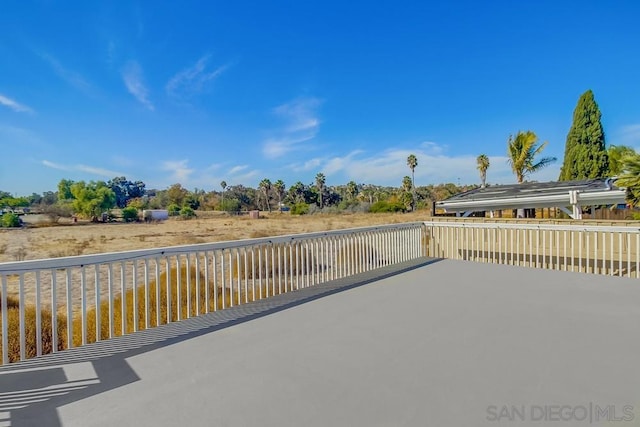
(265, 187)
(296, 192)
(630, 177)
(280, 188)
(412, 162)
(483, 165)
(223, 184)
(522, 151)
(352, 190)
(320, 181)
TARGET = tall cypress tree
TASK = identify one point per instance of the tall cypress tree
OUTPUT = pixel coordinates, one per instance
(585, 155)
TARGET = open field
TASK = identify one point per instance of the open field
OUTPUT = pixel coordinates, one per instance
(86, 238)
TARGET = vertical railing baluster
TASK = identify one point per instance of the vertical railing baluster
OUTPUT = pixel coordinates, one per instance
(224, 280)
(147, 309)
(253, 273)
(123, 298)
(620, 256)
(69, 309)
(54, 311)
(612, 254)
(38, 316)
(198, 284)
(98, 301)
(158, 285)
(110, 280)
(279, 268)
(187, 266)
(167, 265)
(260, 264)
(628, 239)
(246, 274)
(22, 321)
(214, 263)
(273, 269)
(83, 302)
(179, 315)
(5, 321)
(207, 278)
(134, 291)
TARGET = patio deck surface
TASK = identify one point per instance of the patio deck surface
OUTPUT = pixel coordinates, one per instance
(427, 343)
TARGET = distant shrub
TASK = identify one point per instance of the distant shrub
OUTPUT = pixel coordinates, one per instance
(229, 205)
(10, 220)
(384, 206)
(187, 212)
(300, 209)
(173, 209)
(130, 214)
(57, 211)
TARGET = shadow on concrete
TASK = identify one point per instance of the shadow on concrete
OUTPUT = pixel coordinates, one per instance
(31, 391)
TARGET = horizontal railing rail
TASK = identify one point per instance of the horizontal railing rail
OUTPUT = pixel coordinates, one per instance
(53, 304)
(598, 249)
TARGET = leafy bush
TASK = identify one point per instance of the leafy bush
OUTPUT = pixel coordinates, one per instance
(10, 220)
(300, 209)
(229, 205)
(187, 212)
(130, 214)
(384, 206)
(174, 210)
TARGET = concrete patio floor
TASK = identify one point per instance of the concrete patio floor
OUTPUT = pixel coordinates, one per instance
(427, 343)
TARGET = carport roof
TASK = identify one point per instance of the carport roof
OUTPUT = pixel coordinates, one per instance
(536, 194)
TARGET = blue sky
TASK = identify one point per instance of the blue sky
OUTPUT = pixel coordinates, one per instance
(200, 92)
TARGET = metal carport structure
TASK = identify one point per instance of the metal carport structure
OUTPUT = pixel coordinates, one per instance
(568, 196)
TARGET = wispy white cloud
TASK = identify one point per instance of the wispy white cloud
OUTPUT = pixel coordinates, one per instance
(99, 171)
(234, 170)
(244, 178)
(53, 165)
(308, 165)
(92, 170)
(193, 80)
(14, 105)
(301, 124)
(387, 167)
(133, 80)
(179, 169)
(73, 78)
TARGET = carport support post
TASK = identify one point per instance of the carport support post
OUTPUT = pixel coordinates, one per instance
(577, 209)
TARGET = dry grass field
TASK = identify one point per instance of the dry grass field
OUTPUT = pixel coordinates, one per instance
(85, 238)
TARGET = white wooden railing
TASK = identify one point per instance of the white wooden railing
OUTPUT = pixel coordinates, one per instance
(609, 250)
(94, 297)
